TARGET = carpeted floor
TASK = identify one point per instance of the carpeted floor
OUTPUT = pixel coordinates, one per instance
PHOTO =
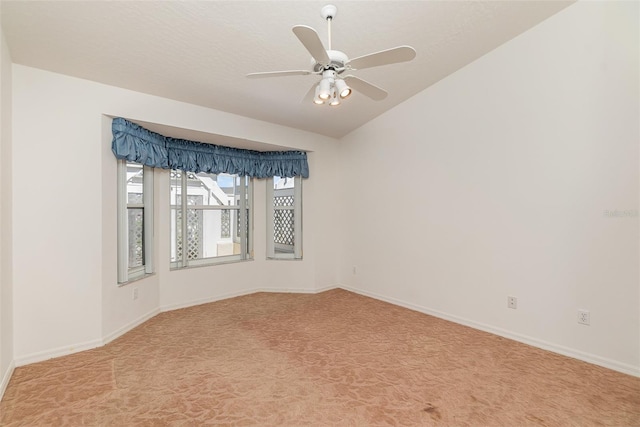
(331, 359)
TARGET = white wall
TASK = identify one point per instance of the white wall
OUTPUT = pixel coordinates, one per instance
(6, 299)
(504, 171)
(500, 175)
(66, 296)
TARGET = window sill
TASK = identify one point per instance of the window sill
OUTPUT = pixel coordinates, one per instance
(136, 279)
(211, 264)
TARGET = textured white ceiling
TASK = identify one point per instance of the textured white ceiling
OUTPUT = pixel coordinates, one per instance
(200, 51)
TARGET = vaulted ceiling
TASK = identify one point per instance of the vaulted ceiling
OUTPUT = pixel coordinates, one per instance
(200, 51)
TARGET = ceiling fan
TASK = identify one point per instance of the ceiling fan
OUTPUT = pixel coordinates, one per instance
(331, 64)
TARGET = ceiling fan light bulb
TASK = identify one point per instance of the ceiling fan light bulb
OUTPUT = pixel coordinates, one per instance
(335, 99)
(325, 89)
(316, 98)
(343, 89)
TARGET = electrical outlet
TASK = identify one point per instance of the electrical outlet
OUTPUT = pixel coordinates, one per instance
(354, 270)
(584, 317)
(135, 293)
(512, 302)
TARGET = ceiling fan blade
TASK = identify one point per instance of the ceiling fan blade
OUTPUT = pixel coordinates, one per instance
(366, 88)
(279, 74)
(384, 57)
(310, 39)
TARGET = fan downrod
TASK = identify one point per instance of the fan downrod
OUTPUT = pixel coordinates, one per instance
(338, 59)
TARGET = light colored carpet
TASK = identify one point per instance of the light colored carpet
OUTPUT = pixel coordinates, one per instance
(331, 359)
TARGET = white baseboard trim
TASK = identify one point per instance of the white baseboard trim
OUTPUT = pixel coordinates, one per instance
(171, 307)
(296, 290)
(178, 306)
(57, 352)
(6, 378)
(325, 289)
(555, 348)
(129, 326)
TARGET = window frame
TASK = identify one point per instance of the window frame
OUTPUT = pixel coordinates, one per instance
(246, 241)
(125, 273)
(297, 220)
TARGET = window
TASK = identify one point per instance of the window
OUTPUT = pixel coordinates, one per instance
(213, 222)
(284, 218)
(135, 221)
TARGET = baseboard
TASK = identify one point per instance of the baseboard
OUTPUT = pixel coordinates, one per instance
(208, 300)
(296, 290)
(129, 326)
(555, 348)
(325, 289)
(57, 352)
(6, 378)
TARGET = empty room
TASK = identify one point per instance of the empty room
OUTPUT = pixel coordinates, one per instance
(313, 213)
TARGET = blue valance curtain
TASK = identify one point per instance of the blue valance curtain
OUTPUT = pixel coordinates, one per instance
(137, 144)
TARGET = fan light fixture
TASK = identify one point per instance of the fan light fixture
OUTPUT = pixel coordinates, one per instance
(316, 98)
(331, 88)
(343, 90)
(324, 87)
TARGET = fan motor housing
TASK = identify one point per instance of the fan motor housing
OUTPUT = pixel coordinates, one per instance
(338, 61)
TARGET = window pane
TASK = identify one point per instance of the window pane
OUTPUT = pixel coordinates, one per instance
(136, 236)
(135, 216)
(215, 242)
(135, 177)
(217, 190)
(283, 215)
(212, 229)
